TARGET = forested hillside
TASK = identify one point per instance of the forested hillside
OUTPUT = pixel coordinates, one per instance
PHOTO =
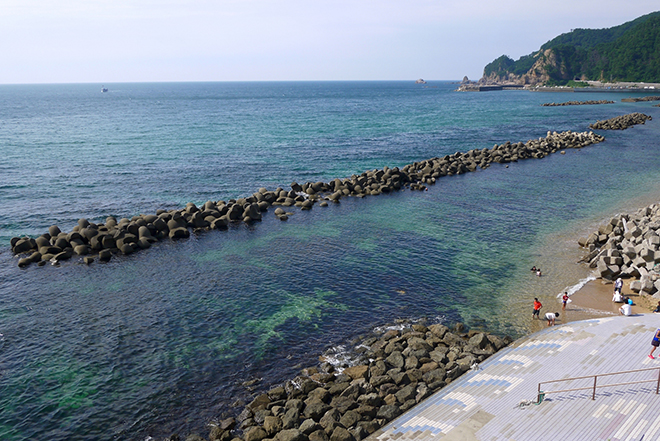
(629, 52)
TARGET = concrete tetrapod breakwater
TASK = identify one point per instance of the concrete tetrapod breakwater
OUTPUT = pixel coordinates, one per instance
(126, 236)
(390, 373)
(621, 122)
(577, 103)
(628, 246)
(637, 100)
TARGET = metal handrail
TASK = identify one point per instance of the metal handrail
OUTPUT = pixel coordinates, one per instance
(595, 377)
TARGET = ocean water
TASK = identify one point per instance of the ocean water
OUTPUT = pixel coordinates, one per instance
(159, 342)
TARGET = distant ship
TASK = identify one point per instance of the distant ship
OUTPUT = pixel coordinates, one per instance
(104, 89)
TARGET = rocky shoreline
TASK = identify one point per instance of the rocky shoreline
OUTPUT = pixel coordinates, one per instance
(621, 122)
(628, 246)
(577, 103)
(102, 241)
(392, 370)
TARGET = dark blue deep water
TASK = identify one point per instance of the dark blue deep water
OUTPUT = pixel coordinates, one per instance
(159, 342)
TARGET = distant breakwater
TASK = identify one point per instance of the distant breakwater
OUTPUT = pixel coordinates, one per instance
(102, 241)
(637, 100)
(621, 122)
(577, 103)
(388, 373)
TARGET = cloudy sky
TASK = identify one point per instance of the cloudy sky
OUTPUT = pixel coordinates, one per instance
(106, 41)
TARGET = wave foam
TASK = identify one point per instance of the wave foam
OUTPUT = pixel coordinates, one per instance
(575, 288)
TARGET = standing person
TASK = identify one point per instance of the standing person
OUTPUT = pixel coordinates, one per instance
(537, 308)
(550, 317)
(564, 300)
(618, 285)
(655, 343)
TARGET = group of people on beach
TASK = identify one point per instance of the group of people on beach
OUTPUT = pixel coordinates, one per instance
(549, 316)
(618, 297)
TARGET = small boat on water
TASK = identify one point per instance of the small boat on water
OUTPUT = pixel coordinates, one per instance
(104, 89)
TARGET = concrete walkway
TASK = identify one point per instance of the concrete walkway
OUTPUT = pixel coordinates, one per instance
(492, 402)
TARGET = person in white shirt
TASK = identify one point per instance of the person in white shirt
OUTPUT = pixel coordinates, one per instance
(550, 317)
(626, 309)
(618, 285)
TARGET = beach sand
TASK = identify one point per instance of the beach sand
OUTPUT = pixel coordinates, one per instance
(594, 300)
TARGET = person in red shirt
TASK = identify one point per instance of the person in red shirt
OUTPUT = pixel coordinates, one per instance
(537, 308)
(564, 300)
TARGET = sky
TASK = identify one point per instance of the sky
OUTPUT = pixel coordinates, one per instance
(111, 41)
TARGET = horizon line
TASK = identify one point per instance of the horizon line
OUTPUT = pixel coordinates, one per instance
(217, 81)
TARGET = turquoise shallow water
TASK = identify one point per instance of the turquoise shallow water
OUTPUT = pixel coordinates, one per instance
(159, 342)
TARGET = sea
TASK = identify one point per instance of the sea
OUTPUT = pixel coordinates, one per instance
(177, 337)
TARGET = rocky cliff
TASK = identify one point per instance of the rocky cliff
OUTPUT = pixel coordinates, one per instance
(627, 52)
(548, 65)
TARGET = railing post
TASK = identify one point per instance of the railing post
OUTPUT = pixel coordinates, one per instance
(593, 397)
(657, 388)
(538, 393)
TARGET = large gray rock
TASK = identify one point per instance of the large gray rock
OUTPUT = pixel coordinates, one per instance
(603, 269)
(479, 340)
(341, 434)
(179, 233)
(646, 284)
(108, 242)
(291, 418)
(377, 368)
(272, 424)
(357, 372)
(255, 434)
(406, 393)
(647, 254)
(372, 399)
(319, 394)
(22, 246)
(105, 255)
(81, 250)
(452, 339)
(319, 435)
(350, 418)
(309, 426)
(389, 412)
(395, 359)
(435, 375)
(344, 404)
(315, 409)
